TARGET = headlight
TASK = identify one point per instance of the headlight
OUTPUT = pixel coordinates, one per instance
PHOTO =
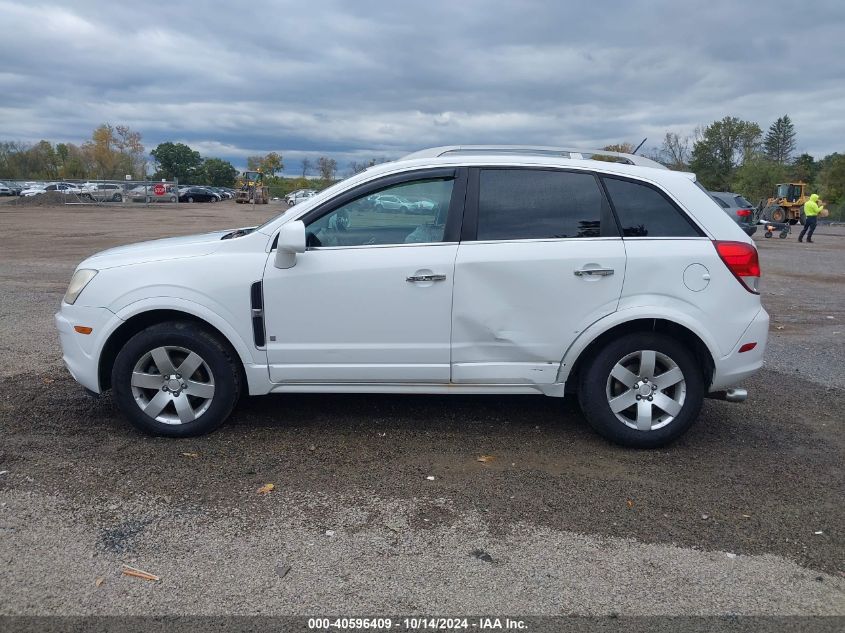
(78, 282)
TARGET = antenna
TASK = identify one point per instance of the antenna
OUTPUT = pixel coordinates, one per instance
(639, 146)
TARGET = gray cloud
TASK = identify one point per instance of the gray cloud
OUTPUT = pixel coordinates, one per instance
(370, 78)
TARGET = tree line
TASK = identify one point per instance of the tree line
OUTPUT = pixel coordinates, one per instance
(735, 155)
(730, 154)
(113, 152)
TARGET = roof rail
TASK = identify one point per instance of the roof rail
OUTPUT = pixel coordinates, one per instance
(531, 150)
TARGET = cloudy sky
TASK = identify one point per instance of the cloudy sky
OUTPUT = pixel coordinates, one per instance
(377, 79)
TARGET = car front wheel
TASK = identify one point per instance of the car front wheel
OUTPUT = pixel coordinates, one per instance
(642, 390)
(176, 379)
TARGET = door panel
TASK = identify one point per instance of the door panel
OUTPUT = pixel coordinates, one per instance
(540, 260)
(519, 305)
(351, 315)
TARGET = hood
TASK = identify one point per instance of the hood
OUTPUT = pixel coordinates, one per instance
(814, 197)
(156, 250)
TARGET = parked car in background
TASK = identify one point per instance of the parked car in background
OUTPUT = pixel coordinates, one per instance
(738, 209)
(198, 194)
(104, 192)
(298, 196)
(388, 202)
(64, 188)
(222, 192)
(6, 190)
(32, 189)
(534, 273)
(146, 193)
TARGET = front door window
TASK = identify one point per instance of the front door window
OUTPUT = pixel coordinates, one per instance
(408, 213)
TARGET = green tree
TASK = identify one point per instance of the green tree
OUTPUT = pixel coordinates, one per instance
(831, 180)
(724, 145)
(176, 160)
(218, 172)
(43, 160)
(804, 168)
(780, 140)
(269, 164)
(756, 178)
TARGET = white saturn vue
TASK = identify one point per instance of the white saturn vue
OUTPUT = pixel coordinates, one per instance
(492, 270)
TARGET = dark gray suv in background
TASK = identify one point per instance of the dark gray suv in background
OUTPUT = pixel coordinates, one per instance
(738, 208)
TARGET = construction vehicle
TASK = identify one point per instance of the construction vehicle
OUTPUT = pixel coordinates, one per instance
(251, 188)
(787, 205)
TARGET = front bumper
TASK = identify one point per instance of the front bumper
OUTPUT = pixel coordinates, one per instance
(732, 369)
(81, 352)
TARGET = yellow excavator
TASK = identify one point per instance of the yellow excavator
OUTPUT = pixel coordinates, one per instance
(251, 188)
(787, 205)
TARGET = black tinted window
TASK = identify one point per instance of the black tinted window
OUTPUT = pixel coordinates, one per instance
(524, 203)
(645, 212)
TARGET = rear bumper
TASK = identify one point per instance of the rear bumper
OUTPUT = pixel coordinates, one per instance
(732, 369)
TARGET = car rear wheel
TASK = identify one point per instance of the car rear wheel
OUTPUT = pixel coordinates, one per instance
(176, 379)
(212, 199)
(117, 198)
(190, 199)
(642, 390)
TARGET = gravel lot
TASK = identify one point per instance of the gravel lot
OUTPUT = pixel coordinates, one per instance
(744, 515)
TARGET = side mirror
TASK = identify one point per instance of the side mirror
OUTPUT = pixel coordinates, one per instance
(291, 241)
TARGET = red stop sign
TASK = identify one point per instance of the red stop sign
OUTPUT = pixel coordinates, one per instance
(159, 189)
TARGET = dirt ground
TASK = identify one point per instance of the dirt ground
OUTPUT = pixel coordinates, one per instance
(743, 515)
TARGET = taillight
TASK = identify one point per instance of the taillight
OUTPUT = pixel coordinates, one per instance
(744, 213)
(741, 259)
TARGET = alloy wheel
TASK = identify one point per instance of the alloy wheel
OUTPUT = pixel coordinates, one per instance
(172, 384)
(646, 390)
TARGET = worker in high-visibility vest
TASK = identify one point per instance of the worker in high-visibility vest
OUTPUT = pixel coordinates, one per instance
(812, 208)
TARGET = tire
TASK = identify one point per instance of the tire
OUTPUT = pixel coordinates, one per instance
(783, 234)
(212, 199)
(625, 357)
(767, 234)
(190, 199)
(778, 215)
(186, 406)
(117, 198)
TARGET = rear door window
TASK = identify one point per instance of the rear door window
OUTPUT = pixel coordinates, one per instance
(517, 204)
(644, 211)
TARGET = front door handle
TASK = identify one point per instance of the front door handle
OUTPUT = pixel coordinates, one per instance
(598, 272)
(413, 278)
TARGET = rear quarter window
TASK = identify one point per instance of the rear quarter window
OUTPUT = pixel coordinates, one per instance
(645, 211)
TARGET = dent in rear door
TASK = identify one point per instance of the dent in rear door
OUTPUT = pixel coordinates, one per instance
(519, 303)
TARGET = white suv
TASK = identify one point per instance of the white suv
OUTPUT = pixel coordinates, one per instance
(527, 270)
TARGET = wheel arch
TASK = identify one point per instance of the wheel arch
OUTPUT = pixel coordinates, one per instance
(145, 319)
(574, 361)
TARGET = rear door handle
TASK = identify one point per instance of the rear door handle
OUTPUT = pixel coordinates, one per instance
(598, 272)
(413, 278)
